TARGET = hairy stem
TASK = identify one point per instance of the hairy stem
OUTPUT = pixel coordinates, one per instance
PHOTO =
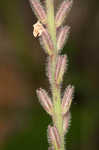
(57, 116)
(51, 20)
(47, 27)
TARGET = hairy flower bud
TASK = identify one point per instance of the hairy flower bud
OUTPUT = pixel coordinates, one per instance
(62, 37)
(46, 42)
(60, 68)
(53, 136)
(38, 10)
(66, 122)
(67, 99)
(45, 100)
(48, 69)
(63, 12)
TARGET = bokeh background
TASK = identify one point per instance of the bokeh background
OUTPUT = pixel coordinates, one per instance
(23, 122)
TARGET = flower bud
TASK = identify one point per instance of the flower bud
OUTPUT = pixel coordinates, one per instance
(38, 10)
(62, 37)
(66, 122)
(63, 12)
(48, 69)
(67, 99)
(60, 68)
(45, 101)
(46, 42)
(53, 136)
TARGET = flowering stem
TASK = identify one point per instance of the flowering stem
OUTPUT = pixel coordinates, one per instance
(57, 116)
(53, 36)
(56, 96)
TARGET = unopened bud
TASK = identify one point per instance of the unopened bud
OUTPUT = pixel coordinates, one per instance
(61, 66)
(66, 122)
(38, 10)
(48, 70)
(63, 12)
(62, 37)
(67, 99)
(45, 100)
(46, 42)
(53, 136)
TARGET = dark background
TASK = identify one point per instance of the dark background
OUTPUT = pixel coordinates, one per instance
(23, 122)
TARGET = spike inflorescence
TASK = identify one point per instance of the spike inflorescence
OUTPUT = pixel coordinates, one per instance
(52, 37)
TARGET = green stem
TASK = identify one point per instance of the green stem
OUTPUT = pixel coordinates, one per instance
(51, 20)
(57, 117)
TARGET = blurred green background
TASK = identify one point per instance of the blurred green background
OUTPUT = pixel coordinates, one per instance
(23, 122)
